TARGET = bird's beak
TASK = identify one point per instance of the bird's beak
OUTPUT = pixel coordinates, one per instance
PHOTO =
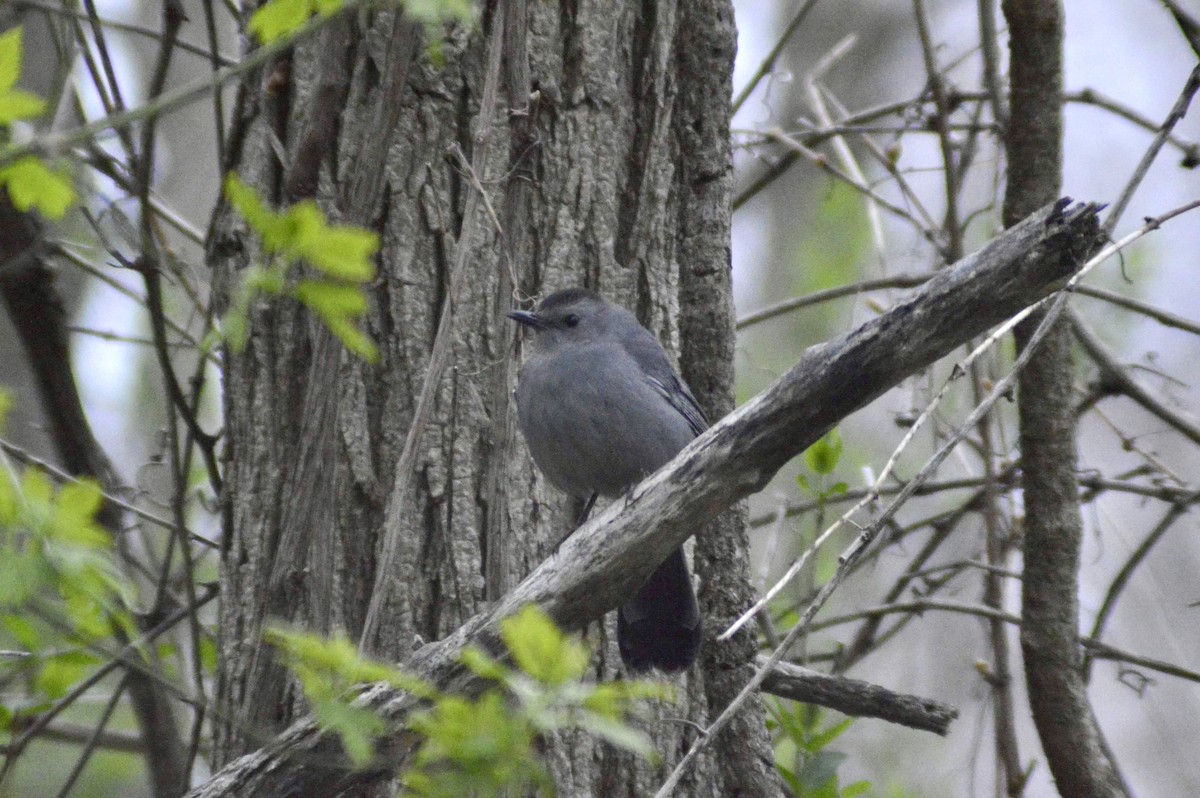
(527, 317)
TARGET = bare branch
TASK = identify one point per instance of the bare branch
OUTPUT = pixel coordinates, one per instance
(768, 63)
(858, 698)
(1190, 87)
(1115, 380)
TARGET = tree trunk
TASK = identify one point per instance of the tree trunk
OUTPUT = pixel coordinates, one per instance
(608, 165)
(1058, 697)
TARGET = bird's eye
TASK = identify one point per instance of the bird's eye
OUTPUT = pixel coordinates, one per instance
(571, 320)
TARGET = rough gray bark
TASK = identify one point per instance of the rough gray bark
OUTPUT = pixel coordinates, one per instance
(589, 186)
(595, 569)
(1053, 526)
(704, 195)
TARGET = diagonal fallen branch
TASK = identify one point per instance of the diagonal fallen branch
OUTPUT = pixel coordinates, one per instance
(606, 560)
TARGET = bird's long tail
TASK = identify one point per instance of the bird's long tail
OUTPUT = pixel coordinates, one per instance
(660, 628)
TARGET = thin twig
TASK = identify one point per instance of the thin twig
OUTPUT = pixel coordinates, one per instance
(1190, 87)
(1115, 380)
(93, 741)
(811, 139)
(117, 660)
(941, 119)
(768, 63)
(210, 29)
(1123, 576)
(840, 145)
(1161, 316)
(821, 162)
(55, 143)
(1088, 96)
(19, 454)
(83, 264)
(123, 27)
(817, 297)
(989, 47)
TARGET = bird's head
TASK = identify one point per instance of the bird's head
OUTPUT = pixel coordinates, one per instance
(573, 315)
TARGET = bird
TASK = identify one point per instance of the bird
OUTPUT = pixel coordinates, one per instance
(601, 407)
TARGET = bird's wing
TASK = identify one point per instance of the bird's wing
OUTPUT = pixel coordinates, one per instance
(682, 400)
(653, 361)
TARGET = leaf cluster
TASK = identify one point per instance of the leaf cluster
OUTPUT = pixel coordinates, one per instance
(31, 184)
(341, 254)
(804, 758)
(483, 745)
(60, 590)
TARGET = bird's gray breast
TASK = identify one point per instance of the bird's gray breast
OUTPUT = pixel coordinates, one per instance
(594, 422)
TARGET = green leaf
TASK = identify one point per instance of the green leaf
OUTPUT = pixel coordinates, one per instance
(790, 779)
(357, 726)
(33, 186)
(332, 300)
(619, 734)
(483, 665)
(75, 510)
(472, 747)
(246, 202)
(298, 225)
(820, 770)
(39, 497)
(338, 304)
(342, 251)
(16, 104)
(329, 666)
(335, 654)
(822, 457)
(237, 330)
(278, 18)
(60, 673)
(614, 698)
(354, 339)
(268, 281)
(208, 654)
(20, 578)
(825, 737)
(302, 233)
(10, 59)
(540, 649)
(8, 503)
(5, 406)
(89, 617)
(23, 632)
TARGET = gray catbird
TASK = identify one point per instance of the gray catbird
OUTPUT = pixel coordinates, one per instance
(601, 408)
